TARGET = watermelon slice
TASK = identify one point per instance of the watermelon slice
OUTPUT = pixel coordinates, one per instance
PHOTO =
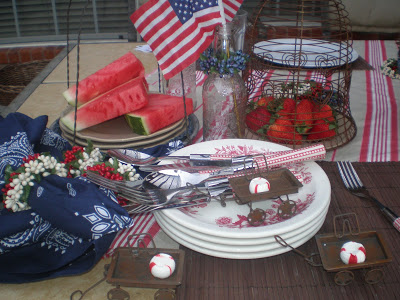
(161, 111)
(125, 98)
(118, 72)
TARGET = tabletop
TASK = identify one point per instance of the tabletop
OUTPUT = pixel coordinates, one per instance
(374, 106)
(290, 276)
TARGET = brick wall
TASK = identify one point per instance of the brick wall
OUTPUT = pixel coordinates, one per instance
(25, 54)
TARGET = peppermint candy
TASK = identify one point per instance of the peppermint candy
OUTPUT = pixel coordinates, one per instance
(162, 265)
(259, 185)
(352, 253)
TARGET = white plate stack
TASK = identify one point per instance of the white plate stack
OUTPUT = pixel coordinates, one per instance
(225, 232)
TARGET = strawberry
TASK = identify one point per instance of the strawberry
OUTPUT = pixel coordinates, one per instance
(257, 118)
(286, 107)
(322, 130)
(265, 101)
(283, 131)
(323, 112)
(304, 118)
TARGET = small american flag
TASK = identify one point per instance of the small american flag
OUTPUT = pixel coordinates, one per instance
(178, 31)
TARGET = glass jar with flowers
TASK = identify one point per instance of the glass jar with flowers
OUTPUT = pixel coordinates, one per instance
(224, 91)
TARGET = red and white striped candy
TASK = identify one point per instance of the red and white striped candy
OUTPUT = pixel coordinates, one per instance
(353, 253)
(162, 265)
(259, 185)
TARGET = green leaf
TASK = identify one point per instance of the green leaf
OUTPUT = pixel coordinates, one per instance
(25, 194)
(74, 164)
(7, 171)
(21, 169)
(89, 148)
(37, 177)
(126, 176)
(303, 129)
(115, 164)
(260, 131)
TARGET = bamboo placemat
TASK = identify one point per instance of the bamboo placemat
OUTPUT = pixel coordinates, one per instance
(289, 276)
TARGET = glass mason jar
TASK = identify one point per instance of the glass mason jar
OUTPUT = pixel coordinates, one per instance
(224, 105)
(224, 95)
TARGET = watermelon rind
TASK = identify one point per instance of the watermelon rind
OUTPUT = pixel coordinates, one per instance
(70, 99)
(137, 123)
(161, 111)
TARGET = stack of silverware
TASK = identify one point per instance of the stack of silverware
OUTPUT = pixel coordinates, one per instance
(194, 179)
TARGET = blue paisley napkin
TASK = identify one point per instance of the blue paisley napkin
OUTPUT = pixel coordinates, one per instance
(71, 223)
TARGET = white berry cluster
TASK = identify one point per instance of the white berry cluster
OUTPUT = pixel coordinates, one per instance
(43, 165)
(387, 68)
(91, 159)
(126, 169)
(12, 197)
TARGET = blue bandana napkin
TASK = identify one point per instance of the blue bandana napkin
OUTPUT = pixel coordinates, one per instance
(71, 223)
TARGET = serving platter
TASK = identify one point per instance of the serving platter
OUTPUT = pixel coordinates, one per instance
(306, 53)
(155, 140)
(117, 131)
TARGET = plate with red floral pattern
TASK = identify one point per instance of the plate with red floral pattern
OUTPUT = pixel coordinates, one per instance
(244, 251)
(231, 221)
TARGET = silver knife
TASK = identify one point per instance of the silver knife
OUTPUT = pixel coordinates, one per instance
(141, 159)
(191, 168)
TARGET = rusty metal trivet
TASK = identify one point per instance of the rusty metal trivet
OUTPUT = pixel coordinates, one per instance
(329, 247)
(282, 182)
(130, 268)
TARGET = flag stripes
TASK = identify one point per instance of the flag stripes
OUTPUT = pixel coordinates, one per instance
(178, 36)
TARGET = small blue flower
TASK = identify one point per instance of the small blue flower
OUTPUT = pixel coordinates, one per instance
(223, 63)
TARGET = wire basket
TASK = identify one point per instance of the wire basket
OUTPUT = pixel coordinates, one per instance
(300, 73)
(15, 77)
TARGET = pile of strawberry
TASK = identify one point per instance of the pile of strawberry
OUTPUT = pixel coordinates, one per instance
(291, 120)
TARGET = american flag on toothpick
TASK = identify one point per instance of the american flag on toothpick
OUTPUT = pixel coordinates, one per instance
(178, 31)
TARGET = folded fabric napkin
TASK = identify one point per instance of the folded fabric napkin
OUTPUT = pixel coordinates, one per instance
(71, 222)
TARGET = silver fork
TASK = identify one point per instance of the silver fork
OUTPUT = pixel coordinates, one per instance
(354, 184)
(134, 190)
(194, 201)
(147, 208)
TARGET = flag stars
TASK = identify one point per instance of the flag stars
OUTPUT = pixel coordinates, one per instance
(185, 9)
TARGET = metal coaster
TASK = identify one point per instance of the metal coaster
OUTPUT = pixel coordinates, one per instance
(130, 267)
(282, 182)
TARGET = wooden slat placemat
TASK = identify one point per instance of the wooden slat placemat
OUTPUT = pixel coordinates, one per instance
(289, 276)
